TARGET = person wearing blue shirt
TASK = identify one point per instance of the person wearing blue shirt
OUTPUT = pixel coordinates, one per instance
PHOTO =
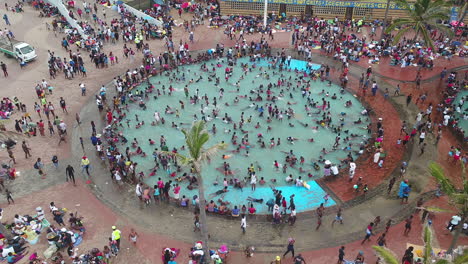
(235, 211)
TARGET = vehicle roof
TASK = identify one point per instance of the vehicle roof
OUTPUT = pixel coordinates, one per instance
(21, 45)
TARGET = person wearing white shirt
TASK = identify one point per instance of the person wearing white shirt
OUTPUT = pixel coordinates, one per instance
(352, 170)
(422, 136)
(454, 222)
(243, 223)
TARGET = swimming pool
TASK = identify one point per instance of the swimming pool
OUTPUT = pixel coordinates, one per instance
(462, 123)
(301, 127)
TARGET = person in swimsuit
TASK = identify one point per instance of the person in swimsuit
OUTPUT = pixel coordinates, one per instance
(133, 236)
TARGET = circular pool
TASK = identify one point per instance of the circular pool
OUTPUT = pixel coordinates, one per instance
(287, 115)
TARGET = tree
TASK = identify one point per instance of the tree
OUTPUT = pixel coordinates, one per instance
(387, 256)
(424, 14)
(385, 20)
(195, 139)
(458, 197)
(5, 231)
(390, 258)
(463, 10)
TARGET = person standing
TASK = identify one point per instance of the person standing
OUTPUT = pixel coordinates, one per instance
(292, 216)
(8, 196)
(116, 234)
(277, 260)
(408, 223)
(70, 174)
(454, 222)
(55, 161)
(408, 256)
(397, 90)
(381, 240)
(62, 136)
(338, 217)
(341, 255)
(63, 105)
(39, 166)
(319, 222)
(11, 155)
(26, 149)
(4, 69)
(85, 165)
(359, 258)
(299, 259)
(133, 236)
(7, 21)
(368, 233)
(390, 185)
(290, 247)
(243, 223)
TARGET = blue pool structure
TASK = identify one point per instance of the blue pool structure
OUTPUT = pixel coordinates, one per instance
(303, 127)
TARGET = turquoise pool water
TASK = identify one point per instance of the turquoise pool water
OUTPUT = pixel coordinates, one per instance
(463, 110)
(289, 97)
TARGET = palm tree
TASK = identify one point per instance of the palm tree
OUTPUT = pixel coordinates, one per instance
(195, 139)
(390, 258)
(463, 10)
(385, 20)
(457, 197)
(387, 255)
(425, 14)
(5, 231)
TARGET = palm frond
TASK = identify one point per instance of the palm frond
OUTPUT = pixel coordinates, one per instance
(398, 23)
(400, 34)
(181, 159)
(423, 14)
(404, 4)
(463, 259)
(437, 172)
(195, 138)
(442, 261)
(427, 245)
(434, 209)
(386, 254)
(207, 154)
(447, 31)
(459, 199)
(426, 37)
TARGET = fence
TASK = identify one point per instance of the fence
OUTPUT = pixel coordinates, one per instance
(141, 15)
(64, 12)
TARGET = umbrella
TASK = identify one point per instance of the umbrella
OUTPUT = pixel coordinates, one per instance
(119, 2)
(456, 43)
(186, 4)
(156, 5)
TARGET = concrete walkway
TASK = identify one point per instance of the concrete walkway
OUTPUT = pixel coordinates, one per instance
(178, 223)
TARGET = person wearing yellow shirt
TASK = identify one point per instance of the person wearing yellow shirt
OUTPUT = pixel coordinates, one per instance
(85, 165)
(116, 234)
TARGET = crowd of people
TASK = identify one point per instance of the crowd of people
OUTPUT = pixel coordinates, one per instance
(134, 87)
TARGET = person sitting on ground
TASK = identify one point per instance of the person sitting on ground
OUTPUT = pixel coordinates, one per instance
(252, 209)
(235, 212)
(211, 206)
(184, 201)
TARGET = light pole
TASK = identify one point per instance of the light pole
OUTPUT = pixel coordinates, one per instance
(265, 14)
